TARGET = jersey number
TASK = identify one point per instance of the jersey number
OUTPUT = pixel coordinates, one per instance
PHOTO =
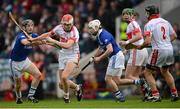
(163, 32)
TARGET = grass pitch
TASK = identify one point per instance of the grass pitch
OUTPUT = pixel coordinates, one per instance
(58, 103)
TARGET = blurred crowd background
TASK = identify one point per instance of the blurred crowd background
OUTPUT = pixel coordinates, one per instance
(47, 14)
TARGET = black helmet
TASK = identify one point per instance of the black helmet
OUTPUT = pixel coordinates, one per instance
(152, 9)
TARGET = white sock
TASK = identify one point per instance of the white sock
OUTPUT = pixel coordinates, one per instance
(32, 91)
(66, 95)
(18, 94)
(77, 87)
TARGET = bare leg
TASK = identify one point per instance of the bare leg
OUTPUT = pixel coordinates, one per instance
(64, 78)
(34, 71)
(120, 81)
(111, 83)
(169, 79)
(150, 79)
(17, 87)
(133, 72)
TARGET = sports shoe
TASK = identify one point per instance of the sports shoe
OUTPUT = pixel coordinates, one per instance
(34, 100)
(66, 100)
(79, 93)
(19, 101)
(174, 97)
(154, 99)
(120, 97)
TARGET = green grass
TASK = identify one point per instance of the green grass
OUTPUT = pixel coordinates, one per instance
(58, 103)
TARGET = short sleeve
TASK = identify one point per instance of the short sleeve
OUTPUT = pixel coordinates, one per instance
(147, 30)
(106, 40)
(22, 37)
(34, 35)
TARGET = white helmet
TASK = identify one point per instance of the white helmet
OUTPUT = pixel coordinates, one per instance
(94, 24)
(67, 22)
(93, 28)
(67, 18)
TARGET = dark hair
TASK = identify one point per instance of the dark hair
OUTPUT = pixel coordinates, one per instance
(152, 9)
(27, 21)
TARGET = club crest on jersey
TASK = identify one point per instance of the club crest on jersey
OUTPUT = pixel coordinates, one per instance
(106, 40)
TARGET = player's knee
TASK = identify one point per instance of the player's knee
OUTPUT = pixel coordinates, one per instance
(164, 70)
(128, 76)
(64, 77)
(107, 79)
(60, 85)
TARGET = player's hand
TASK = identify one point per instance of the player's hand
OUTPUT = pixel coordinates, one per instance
(91, 59)
(30, 39)
(49, 39)
(139, 47)
(97, 59)
(122, 43)
(44, 41)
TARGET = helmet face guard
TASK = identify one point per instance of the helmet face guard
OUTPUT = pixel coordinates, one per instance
(93, 27)
(67, 22)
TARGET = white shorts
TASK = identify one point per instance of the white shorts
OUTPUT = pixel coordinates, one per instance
(138, 57)
(116, 65)
(17, 67)
(64, 58)
(161, 57)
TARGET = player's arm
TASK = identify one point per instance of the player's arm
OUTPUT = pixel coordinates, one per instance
(173, 36)
(65, 45)
(52, 44)
(34, 43)
(42, 36)
(172, 33)
(147, 41)
(137, 36)
(108, 51)
(98, 52)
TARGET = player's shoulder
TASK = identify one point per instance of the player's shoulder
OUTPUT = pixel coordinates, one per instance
(74, 29)
(20, 35)
(148, 23)
(104, 34)
(34, 35)
(58, 27)
(133, 22)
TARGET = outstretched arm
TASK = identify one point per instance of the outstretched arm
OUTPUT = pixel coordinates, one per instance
(34, 43)
(42, 36)
(65, 45)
